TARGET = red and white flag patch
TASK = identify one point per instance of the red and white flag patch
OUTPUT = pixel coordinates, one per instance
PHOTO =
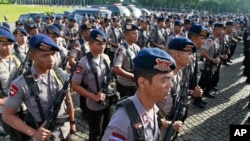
(78, 69)
(116, 137)
(13, 90)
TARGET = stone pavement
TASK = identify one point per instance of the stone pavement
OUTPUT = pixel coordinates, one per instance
(211, 123)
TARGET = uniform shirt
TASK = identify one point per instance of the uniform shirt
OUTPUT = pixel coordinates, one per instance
(144, 38)
(120, 128)
(212, 46)
(61, 55)
(125, 62)
(84, 73)
(22, 51)
(49, 86)
(166, 104)
(8, 69)
(77, 51)
(115, 37)
(158, 35)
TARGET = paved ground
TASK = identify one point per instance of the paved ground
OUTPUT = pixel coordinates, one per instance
(212, 123)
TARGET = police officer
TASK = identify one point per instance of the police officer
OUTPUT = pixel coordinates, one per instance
(21, 46)
(48, 81)
(197, 33)
(212, 53)
(181, 49)
(9, 63)
(81, 46)
(158, 34)
(153, 80)
(62, 56)
(123, 64)
(115, 37)
(144, 35)
(19, 24)
(70, 33)
(32, 29)
(88, 80)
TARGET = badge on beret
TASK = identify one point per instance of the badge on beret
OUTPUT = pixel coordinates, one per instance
(162, 65)
(188, 48)
(99, 38)
(3, 39)
(19, 32)
(128, 26)
(204, 33)
(78, 69)
(116, 137)
(45, 47)
(76, 46)
(50, 31)
(13, 90)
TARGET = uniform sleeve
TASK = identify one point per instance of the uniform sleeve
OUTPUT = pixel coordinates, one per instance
(117, 130)
(119, 56)
(76, 48)
(15, 94)
(79, 72)
(208, 44)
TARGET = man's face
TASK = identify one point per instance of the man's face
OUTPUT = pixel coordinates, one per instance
(199, 41)
(132, 36)
(159, 87)
(6, 48)
(33, 32)
(21, 38)
(43, 60)
(97, 47)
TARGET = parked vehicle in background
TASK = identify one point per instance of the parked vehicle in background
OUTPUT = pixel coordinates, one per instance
(30, 18)
(79, 12)
(145, 11)
(136, 12)
(115, 9)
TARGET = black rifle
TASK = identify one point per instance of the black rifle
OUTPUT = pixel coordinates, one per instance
(179, 109)
(22, 66)
(109, 88)
(54, 109)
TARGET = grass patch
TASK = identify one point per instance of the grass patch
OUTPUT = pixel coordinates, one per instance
(13, 11)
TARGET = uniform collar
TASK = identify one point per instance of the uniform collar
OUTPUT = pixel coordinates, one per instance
(35, 74)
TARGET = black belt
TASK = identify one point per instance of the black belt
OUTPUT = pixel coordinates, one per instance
(59, 120)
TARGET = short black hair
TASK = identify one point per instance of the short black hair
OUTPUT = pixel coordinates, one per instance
(145, 74)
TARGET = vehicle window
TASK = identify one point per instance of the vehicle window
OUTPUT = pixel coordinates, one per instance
(124, 10)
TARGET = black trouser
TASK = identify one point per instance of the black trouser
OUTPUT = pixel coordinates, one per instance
(232, 50)
(125, 91)
(98, 121)
(111, 56)
(206, 82)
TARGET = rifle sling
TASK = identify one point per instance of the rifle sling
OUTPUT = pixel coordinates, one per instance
(34, 91)
(135, 119)
(94, 68)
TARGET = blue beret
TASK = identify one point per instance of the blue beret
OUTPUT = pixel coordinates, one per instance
(144, 20)
(199, 29)
(219, 24)
(59, 26)
(43, 42)
(33, 26)
(157, 60)
(115, 19)
(72, 19)
(98, 35)
(129, 27)
(182, 44)
(20, 30)
(4, 28)
(160, 19)
(6, 25)
(178, 23)
(51, 29)
(86, 26)
(19, 23)
(228, 23)
(6, 34)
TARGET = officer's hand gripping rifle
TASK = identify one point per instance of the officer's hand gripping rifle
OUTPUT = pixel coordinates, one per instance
(178, 114)
(109, 87)
(54, 109)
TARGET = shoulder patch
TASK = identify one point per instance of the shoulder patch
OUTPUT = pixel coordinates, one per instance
(209, 41)
(13, 90)
(116, 137)
(119, 51)
(76, 46)
(78, 69)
